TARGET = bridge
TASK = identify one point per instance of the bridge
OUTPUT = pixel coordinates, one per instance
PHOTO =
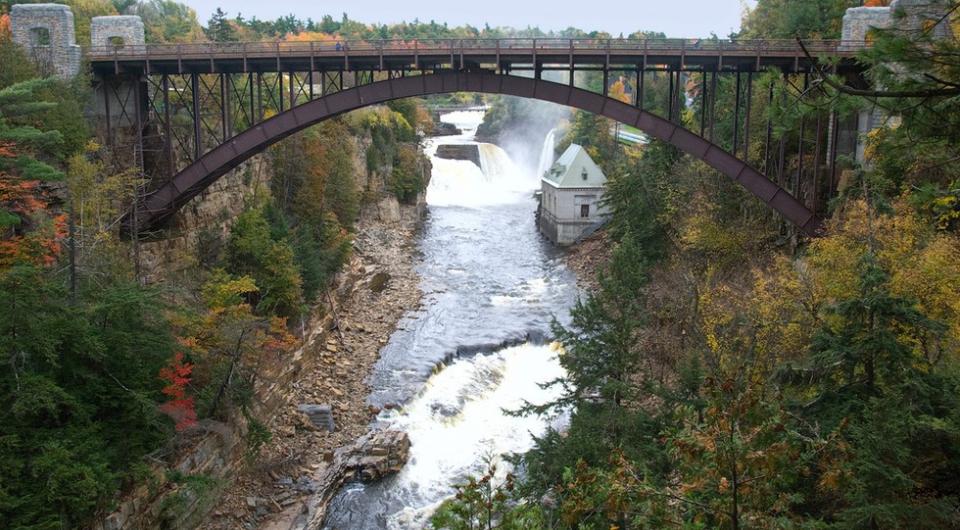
(195, 111)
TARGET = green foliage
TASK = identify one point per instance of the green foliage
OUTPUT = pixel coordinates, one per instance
(81, 395)
(485, 504)
(784, 19)
(406, 179)
(219, 29)
(16, 65)
(252, 250)
(168, 21)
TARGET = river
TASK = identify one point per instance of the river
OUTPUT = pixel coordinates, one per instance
(478, 343)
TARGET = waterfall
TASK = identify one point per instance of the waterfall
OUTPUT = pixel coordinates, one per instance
(546, 153)
(498, 180)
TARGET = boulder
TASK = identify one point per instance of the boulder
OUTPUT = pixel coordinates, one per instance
(319, 415)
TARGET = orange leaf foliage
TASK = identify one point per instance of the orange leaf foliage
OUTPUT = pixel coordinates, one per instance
(5, 27)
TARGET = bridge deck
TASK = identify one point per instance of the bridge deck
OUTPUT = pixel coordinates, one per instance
(515, 54)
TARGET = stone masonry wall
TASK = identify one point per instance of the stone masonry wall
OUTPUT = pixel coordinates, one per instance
(127, 28)
(60, 55)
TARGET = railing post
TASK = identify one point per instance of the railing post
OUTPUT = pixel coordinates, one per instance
(498, 69)
(381, 54)
(244, 51)
(720, 56)
(683, 53)
(179, 58)
(571, 62)
(416, 54)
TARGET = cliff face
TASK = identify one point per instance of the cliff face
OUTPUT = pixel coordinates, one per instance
(210, 457)
(204, 223)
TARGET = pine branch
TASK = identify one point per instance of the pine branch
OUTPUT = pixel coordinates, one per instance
(929, 93)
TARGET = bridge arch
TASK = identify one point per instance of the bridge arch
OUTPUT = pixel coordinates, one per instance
(158, 206)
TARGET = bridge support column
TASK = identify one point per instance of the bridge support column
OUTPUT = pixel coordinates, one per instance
(120, 98)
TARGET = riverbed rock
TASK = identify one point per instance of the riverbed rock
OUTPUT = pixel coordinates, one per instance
(446, 129)
(371, 457)
(469, 152)
(319, 415)
(379, 455)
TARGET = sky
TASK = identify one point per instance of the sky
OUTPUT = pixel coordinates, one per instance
(676, 18)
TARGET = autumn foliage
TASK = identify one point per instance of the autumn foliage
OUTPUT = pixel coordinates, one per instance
(179, 406)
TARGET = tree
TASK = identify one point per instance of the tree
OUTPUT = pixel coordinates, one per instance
(251, 250)
(219, 28)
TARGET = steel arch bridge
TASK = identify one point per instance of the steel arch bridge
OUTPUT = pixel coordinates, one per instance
(205, 106)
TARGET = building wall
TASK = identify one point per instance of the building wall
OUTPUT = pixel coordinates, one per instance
(560, 218)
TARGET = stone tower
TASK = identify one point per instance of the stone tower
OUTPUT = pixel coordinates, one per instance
(116, 31)
(46, 31)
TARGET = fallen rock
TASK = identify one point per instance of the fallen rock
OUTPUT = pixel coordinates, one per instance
(320, 415)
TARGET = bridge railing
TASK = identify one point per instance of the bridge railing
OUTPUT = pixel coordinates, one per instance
(333, 47)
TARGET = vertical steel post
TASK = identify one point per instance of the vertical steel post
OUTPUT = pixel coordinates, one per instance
(832, 165)
(135, 210)
(106, 110)
(293, 95)
(703, 103)
(197, 140)
(736, 116)
(253, 100)
(746, 125)
(713, 103)
(167, 141)
(643, 78)
(224, 107)
(815, 192)
(670, 97)
(769, 136)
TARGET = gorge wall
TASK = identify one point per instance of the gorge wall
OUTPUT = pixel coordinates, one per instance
(186, 480)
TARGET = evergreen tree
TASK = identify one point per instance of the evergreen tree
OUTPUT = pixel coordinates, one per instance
(219, 28)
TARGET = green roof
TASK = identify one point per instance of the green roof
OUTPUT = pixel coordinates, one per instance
(575, 169)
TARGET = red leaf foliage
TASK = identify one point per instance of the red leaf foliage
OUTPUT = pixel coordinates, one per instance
(180, 407)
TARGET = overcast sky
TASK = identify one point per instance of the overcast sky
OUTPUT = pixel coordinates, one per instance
(676, 18)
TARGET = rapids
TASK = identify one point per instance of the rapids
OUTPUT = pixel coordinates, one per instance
(476, 346)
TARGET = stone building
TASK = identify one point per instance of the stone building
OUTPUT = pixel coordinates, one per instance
(571, 198)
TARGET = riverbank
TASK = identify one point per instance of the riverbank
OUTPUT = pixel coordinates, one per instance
(275, 489)
(588, 257)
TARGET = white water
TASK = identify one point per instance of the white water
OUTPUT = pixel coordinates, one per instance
(462, 183)
(458, 421)
(488, 278)
(546, 153)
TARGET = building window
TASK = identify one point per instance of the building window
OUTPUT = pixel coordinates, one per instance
(584, 210)
(40, 37)
(116, 42)
(584, 173)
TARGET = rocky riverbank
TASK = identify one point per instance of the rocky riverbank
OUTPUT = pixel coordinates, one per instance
(302, 465)
(586, 258)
